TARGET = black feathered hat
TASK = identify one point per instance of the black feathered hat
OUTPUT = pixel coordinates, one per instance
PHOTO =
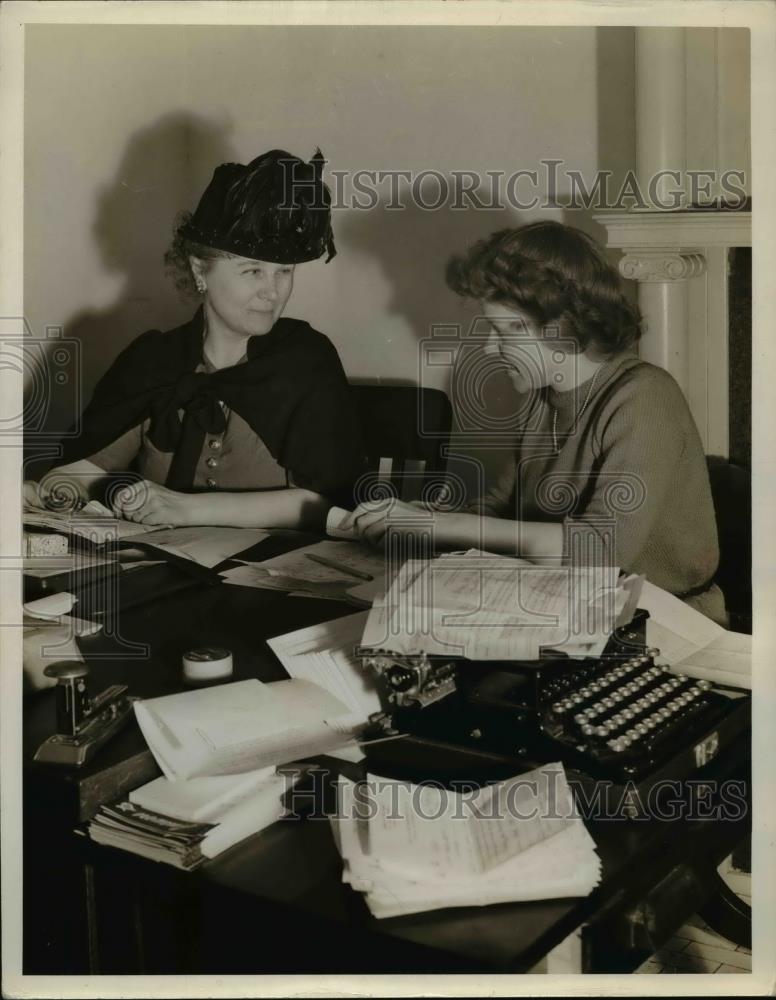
(276, 208)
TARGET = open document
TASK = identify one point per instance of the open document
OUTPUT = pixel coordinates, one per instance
(242, 726)
(487, 607)
(411, 848)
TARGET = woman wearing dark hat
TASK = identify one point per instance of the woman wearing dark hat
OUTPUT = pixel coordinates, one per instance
(240, 416)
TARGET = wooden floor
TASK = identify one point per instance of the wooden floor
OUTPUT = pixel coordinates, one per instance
(696, 948)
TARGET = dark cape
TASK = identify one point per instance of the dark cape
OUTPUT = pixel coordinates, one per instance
(291, 390)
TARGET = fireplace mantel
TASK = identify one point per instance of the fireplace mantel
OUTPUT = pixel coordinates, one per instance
(677, 230)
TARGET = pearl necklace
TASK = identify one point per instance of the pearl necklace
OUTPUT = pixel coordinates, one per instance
(579, 415)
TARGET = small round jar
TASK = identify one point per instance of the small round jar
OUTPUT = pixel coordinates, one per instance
(205, 665)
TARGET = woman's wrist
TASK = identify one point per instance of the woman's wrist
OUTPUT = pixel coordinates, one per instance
(456, 529)
(195, 509)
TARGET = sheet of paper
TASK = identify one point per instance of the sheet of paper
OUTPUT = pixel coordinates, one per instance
(333, 520)
(254, 575)
(673, 626)
(51, 606)
(434, 831)
(206, 546)
(41, 567)
(324, 655)
(294, 573)
(726, 660)
(344, 555)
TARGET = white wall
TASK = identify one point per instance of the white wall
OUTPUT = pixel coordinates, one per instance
(124, 125)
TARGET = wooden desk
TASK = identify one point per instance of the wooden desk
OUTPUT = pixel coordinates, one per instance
(275, 902)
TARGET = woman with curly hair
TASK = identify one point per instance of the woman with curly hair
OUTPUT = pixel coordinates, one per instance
(240, 416)
(608, 464)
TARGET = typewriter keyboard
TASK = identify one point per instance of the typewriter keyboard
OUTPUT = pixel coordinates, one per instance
(632, 708)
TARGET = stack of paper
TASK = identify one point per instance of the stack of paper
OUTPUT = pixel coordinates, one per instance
(488, 607)
(325, 655)
(183, 823)
(94, 523)
(411, 848)
(238, 727)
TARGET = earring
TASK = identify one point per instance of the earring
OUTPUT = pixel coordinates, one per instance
(201, 286)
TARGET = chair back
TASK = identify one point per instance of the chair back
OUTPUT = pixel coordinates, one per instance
(406, 431)
(731, 491)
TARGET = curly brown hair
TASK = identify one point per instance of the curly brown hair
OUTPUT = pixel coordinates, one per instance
(177, 264)
(553, 273)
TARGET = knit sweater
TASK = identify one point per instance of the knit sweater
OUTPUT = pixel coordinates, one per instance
(629, 474)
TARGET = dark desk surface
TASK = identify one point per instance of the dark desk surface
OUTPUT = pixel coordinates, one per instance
(295, 863)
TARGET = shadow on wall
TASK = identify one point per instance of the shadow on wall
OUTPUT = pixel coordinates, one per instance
(412, 246)
(163, 171)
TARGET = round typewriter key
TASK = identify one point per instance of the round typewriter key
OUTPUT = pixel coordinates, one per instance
(641, 729)
(588, 730)
(628, 713)
(580, 718)
(607, 702)
(601, 731)
(682, 677)
(653, 651)
(663, 713)
(557, 708)
(576, 699)
(704, 685)
(695, 690)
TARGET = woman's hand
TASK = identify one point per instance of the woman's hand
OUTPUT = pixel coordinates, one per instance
(371, 520)
(34, 494)
(149, 503)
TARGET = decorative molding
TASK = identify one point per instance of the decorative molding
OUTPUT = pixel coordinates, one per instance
(662, 265)
(682, 231)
